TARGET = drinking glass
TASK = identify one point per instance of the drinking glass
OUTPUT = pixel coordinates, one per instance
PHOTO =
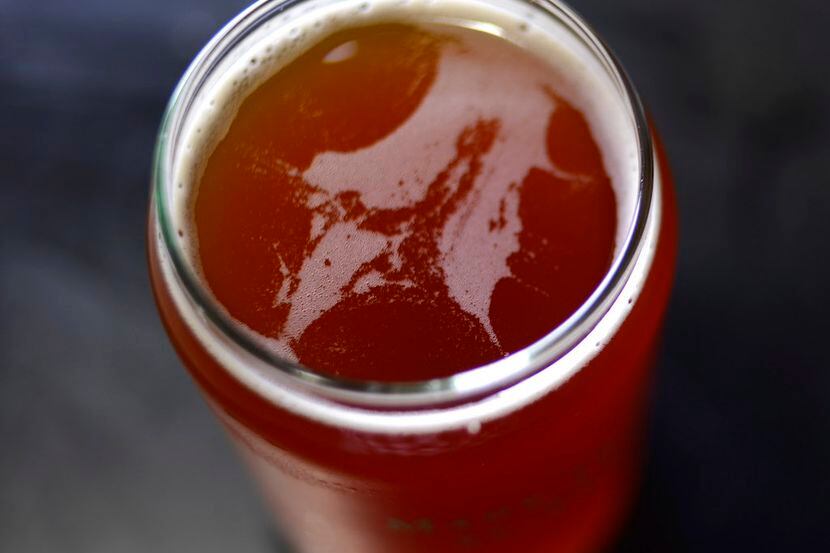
(537, 452)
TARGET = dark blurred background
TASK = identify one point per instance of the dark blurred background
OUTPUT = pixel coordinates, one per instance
(105, 445)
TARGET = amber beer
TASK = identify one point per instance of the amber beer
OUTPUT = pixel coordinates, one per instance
(416, 255)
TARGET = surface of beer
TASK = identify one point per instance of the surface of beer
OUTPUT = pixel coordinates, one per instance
(405, 202)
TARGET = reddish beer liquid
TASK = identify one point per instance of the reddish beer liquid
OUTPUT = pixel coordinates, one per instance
(255, 212)
(555, 475)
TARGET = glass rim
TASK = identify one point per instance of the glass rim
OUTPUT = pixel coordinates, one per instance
(470, 383)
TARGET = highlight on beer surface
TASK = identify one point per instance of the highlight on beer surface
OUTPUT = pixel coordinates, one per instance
(405, 198)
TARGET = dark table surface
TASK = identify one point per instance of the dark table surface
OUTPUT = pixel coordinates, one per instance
(105, 445)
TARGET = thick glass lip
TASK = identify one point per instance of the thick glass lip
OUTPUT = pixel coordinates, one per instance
(472, 383)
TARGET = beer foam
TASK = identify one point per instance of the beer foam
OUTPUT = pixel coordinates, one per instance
(580, 80)
(473, 254)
